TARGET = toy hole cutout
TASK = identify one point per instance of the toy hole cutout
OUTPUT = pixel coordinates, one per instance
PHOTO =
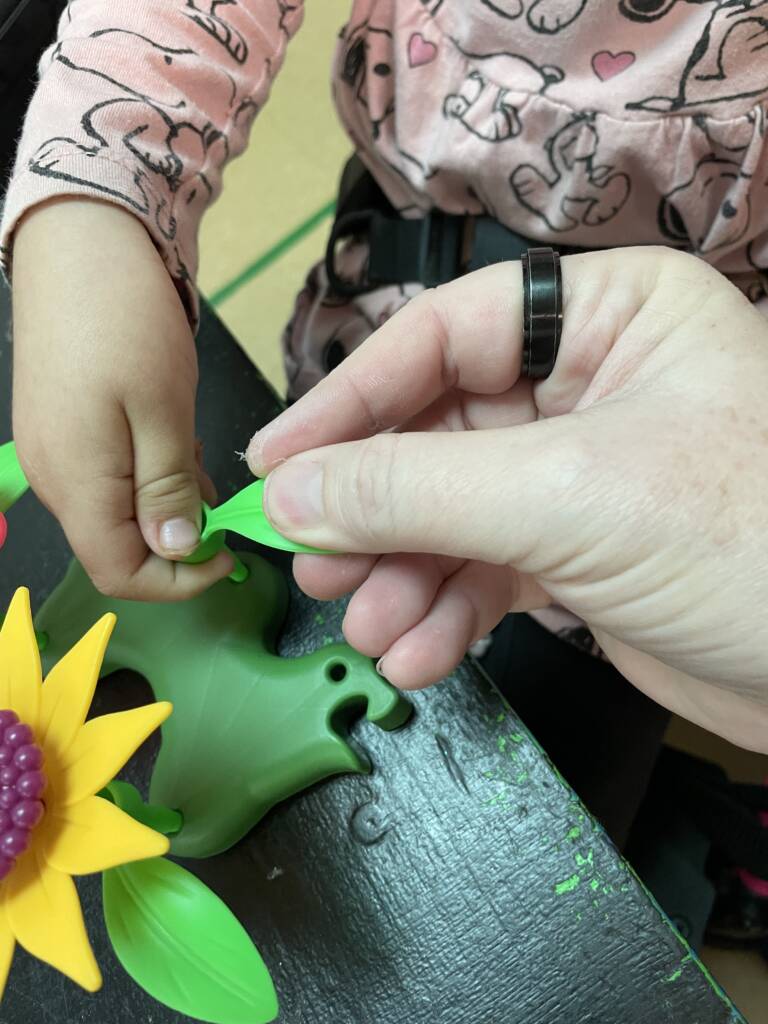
(336, 672)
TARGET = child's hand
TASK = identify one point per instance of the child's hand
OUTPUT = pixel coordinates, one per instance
(105, 375)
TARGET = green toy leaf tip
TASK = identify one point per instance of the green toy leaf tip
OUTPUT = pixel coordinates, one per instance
(13, 483)
(244, 514)
(183, 946)
(128, 799)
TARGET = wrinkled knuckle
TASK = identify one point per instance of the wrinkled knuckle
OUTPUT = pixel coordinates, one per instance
(681, 267)
(367, 509)
(167, 491)
(569, 463)
(110, 585)
(429, 306)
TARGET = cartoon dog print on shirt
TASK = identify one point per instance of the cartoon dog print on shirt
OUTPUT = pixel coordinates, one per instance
(729, 63)
(484, 103)
(730, 138)
(206, 15)
(152, 144)
(368, 48)
(552, 16)
(574, 189)
(514, 71)
(546, 16)
(484, 109)
(326, 328)
(715, 182)
(164, 140)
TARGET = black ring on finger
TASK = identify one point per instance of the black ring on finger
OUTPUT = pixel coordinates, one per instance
(542, 311)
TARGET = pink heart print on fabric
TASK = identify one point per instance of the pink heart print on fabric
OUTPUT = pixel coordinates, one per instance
(420, 51)
(607, 65)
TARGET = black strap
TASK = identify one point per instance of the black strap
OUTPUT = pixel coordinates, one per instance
(430, 251)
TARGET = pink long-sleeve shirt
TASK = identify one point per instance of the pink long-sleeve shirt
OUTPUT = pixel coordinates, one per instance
(590, 122)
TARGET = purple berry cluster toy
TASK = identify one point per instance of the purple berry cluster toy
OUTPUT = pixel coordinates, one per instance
(22, 783)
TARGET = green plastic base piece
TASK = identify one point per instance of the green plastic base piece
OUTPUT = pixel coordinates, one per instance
(248, 728)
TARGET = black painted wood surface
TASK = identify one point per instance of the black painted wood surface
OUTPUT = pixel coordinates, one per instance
(461, 883)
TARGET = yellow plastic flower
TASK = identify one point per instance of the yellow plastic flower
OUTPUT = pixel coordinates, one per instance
(79, 832)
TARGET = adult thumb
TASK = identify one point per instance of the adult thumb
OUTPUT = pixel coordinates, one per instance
(492, 495)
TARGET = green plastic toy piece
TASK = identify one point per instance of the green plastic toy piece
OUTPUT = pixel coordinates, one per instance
(13, 483)
(128, 799)
(184, 946)
(244, 514)
(248, 728)
(211, 546)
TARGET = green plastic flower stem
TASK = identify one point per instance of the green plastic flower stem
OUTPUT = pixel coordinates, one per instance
(13, 483)
(127, 798)
(241, 571)
(211, 546)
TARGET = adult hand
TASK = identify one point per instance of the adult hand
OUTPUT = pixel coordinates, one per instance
(631, 486)
(105, 374)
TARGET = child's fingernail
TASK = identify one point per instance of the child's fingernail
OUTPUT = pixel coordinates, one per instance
(380, 667)
(293, 495)
(179, 537)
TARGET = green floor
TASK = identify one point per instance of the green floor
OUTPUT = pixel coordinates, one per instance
(272, 220)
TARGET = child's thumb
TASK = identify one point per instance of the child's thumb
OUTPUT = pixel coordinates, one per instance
(167, 497)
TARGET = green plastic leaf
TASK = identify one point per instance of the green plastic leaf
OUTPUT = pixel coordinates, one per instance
(128, 799)
(183, 946)
(13, 483)
(244, 515)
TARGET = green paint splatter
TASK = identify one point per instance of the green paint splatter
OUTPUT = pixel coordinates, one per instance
(500, 717)
(574, 833)
(502, 744)
(594, 885)
(567, 885)
(319, 619)
(581, 861)
(500, 799)
(676, 974)
(328, 640)
(517, 737)
(521, 778)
